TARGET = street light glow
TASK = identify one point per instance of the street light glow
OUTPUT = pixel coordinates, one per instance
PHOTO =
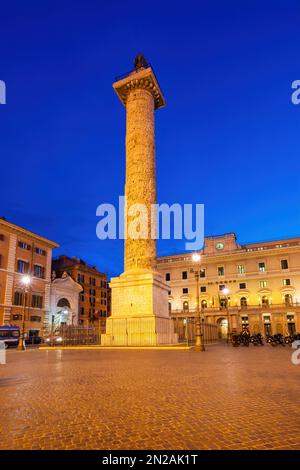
(225, 290)
(196, 257)
(26, 280)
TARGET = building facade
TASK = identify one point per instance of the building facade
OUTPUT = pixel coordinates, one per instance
(64, 302)
(255, 285)
(24, 253)
(94, 297)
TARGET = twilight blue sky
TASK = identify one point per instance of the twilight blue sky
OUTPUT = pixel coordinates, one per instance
(228, 138)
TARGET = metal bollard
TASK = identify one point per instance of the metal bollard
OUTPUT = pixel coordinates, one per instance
(2, 353)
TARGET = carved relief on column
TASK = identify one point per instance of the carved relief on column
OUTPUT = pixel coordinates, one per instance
(140, 174)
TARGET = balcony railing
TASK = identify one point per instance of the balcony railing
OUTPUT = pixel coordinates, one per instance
(235, 309)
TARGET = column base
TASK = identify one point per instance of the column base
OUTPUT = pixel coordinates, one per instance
(144, 331)
(140, 315)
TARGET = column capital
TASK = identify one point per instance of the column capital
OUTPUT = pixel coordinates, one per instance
(143, 78)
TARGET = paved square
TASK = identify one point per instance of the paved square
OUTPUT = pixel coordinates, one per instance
(225, 398)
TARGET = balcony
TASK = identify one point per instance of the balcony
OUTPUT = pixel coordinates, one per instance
(237, 309)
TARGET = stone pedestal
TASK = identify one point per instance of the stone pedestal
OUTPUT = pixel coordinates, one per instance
(140, 312)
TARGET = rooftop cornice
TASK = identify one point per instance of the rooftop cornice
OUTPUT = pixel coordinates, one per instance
(22, 231)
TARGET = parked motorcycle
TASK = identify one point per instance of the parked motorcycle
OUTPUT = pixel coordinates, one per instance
(256, 339)
(276, 340)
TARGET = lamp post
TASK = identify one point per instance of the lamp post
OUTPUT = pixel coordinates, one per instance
(26, 281)
(199, 344)
(225, 291)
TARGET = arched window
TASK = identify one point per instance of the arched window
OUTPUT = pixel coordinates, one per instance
(265, 301)
(288, 299)
(203, 304)
(63, 303)
(243, 302)
(170, 306)
(185, 306)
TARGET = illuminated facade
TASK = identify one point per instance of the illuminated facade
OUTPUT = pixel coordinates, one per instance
(261, 281)
(94, 298)
(24, 253)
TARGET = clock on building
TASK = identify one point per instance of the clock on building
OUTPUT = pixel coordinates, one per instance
(219, 246)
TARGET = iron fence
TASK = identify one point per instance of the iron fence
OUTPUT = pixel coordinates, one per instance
(79, 335)
(186, 328)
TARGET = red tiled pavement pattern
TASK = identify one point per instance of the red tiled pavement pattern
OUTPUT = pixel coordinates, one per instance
(225, 398)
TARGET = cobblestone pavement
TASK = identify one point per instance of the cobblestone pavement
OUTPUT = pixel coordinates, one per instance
(225, 398)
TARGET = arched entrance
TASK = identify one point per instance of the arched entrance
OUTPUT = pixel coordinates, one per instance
(222, 328)
(63, 314)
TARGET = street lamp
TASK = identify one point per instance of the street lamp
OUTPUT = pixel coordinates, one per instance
(199, 344)
(225, 292)
(25, 281)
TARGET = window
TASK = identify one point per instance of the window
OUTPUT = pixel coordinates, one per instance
(170, 307)
(24, 245)
(185, 306)
(169, 292)
(221, 287)
(93, 292)
(81, 310)
(286, 282)
(265, 301)
(243, 302)
(80, 277)
(81, 297)
(185, 290)
(22, 266)
(38, 271)
(203, 289)
(284, 264)
(184, 275)
(203, 304)
(263, 284)
(35, 318)
(1, 237)
(261, 267)
(220, 270)
(241, 268)
(288, 299)
(92, 281)
(168, 277)
(17, 317)
(40, 251)
(242, 285)
(18, 298)
(37, 301)
(202, 272)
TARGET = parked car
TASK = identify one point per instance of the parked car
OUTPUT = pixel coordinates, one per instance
(53, 340)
